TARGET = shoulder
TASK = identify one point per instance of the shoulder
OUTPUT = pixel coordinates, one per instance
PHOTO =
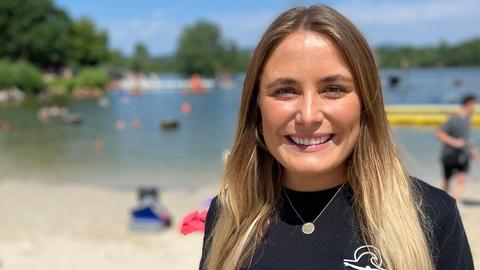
(209, 223)
(458, 120)
(436, 203)
(211, 215)
(451, 121)
(432, 195)
(447, 237)
(214, 207)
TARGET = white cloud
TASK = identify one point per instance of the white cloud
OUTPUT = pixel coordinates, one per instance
(414, 22)
(401, 12)
(117, 34)
(155, 30)
(403, 22)
(160, 31)
(245, 29)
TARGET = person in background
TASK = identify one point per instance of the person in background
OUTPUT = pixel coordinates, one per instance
(457, 149)
(313, 179)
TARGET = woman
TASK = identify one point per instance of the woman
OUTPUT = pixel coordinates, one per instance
(313, 180)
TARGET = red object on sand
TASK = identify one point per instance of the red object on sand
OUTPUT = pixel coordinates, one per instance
(194, 222)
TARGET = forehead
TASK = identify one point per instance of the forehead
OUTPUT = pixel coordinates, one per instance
(303, 53)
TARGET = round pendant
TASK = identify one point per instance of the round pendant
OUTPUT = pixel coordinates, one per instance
(308, 228)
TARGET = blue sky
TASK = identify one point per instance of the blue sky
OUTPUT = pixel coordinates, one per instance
(158, 23)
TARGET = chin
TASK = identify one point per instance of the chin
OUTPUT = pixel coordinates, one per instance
(311, 169)
(317, 166)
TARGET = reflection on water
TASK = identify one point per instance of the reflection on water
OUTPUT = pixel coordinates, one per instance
(442, 85)
(135, 151)
(122, 143)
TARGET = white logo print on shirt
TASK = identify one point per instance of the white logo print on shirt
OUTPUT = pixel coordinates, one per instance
(375, 262)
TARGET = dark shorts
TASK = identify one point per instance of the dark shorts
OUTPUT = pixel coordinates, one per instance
(453, 165)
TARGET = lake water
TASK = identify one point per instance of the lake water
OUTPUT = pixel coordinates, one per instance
(192, 154)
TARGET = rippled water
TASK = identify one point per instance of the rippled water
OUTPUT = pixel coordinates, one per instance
(192, 154)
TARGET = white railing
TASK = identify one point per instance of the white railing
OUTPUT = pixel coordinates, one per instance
(154, 83)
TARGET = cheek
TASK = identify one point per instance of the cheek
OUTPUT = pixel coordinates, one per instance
(345, 115)
(275, 116)
(270, 124)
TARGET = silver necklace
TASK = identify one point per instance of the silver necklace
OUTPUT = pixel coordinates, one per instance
(309, 227)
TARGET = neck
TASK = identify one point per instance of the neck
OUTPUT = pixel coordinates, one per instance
(463, 112)
(302, 182)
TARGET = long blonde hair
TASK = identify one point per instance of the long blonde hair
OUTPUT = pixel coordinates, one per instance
(385, 202)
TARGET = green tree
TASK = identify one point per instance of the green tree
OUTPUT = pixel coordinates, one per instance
(34, 30)
(89, 46)
(117, 58)
(199, 49)
(466, 54)
(162, 64)
(116, 64)
(140, 58)
(233, 59)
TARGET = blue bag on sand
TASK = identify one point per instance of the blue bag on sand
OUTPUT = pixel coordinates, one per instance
(149, 214)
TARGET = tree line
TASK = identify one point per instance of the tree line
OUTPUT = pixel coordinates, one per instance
(201, 49)
(466, 53)
(43, 34)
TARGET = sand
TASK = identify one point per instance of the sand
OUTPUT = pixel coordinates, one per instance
(75, 226)
(51, 226)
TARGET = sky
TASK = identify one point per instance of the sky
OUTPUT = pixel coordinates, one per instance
(159, 23)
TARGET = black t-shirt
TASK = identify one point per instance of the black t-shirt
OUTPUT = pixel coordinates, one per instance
(336, 242)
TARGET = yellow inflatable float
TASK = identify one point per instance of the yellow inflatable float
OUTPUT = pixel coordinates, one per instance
(424, 115)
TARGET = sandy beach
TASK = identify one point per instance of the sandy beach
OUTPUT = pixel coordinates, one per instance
(73, 226)
(64, 226)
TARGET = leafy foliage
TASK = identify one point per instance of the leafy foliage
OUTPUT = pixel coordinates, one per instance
(92, 77)
(463, 54)
(140, 58)
(198, 50)
(21, 74)
(6, 74)
(45, 35)
(88, 44)
(28, 77)
(65, 85)
(202, 50)
(34, 30)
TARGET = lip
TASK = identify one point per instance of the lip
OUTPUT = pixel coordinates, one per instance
(309, 148)
(312, 136)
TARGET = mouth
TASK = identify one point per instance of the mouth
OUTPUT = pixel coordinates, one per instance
(307, 141)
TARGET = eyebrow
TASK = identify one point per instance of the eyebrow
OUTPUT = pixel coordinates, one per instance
(328, 79)
(281, 81)
(336, 78)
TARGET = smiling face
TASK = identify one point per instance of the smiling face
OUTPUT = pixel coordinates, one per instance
(310, 111)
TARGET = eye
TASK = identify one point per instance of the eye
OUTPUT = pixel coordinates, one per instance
(334, 91)
(285, 91)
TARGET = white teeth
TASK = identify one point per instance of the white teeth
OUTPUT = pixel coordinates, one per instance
(310, 141)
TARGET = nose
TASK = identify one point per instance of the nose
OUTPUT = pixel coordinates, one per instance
(309, 112)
